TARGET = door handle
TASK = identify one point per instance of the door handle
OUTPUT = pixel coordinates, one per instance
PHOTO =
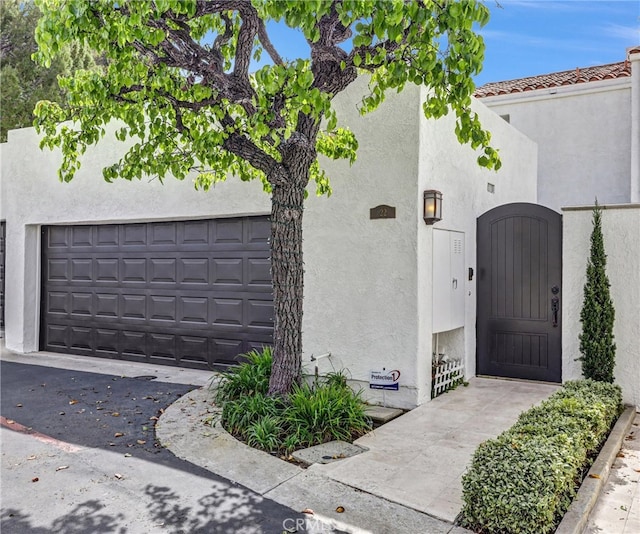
(555, 307)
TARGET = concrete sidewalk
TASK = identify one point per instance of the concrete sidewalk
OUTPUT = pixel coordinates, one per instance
(408, 481)
(617, 510)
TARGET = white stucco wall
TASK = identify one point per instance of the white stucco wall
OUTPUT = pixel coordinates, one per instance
(584, 139)
(465, 197)
(33, 196)
(621, 233)
(361, 274)
(360, 286)
(367, 282)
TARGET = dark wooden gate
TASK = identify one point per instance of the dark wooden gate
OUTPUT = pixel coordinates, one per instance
(519, 326)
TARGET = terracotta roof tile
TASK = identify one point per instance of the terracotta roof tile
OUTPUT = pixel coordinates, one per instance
(556, 79)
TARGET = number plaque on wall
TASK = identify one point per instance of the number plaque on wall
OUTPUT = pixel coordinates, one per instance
(382, 212)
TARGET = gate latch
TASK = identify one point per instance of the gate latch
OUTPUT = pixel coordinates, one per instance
(555, 307)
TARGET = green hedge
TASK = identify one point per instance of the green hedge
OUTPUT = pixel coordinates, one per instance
(524, 480)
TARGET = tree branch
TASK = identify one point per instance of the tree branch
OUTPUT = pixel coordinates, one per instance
(263, 36)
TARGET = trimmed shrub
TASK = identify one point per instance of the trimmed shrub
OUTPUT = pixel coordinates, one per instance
(597, 315)
(524, 480)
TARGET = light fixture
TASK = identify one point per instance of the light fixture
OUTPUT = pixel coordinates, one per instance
(432, 206)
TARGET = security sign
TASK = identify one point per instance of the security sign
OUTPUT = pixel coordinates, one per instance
(385, 379)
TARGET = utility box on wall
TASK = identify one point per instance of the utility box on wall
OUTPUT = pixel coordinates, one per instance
(448, 280)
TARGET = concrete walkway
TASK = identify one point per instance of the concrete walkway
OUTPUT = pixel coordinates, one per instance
(408, 479)
(418, 459)
(617, 510)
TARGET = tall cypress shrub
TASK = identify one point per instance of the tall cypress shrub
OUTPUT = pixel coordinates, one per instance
(596, 341)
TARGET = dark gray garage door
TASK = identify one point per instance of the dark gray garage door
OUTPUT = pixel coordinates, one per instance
(2, 253)
(189, 293)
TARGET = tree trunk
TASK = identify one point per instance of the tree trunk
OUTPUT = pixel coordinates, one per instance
(287, 270)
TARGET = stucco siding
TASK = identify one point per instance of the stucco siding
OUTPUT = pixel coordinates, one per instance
(33, 196)
(361, 274)
(367, 282)
(584, 140)
(360, 285)
(621, 232)
(453, 170)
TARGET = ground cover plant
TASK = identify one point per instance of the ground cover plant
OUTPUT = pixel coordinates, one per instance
(325, 410)
(524, 480)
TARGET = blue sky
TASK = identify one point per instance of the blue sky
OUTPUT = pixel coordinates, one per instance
(530, 37)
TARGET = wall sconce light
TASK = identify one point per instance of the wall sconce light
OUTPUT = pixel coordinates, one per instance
(432, 206)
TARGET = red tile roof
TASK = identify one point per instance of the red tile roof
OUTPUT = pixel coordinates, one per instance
(556, 79)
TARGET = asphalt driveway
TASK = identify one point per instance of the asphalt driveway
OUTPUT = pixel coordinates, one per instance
(79, 455)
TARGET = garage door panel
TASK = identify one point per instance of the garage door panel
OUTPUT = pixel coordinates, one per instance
(81, 339)
(162, 308)
(259, 314)
(258, 273)
(162, 346)
(134, 270)
(193, 348)
(107, 270)
(193, 271)
(193, 234)
(258, 231)
(134, 307)
(163, 271)
(107, 305)
(227, 312)
(226, 350)
(82, 237)
(193, 310)
(107, 342)
(163, 234)
(58, 270)
(57, 303)
(58, 237)
(226, 273)
(226, 232)
(81, 270)
(133, 235)
(82, 304)
(56, 336)
(107, 237)
(188, 293)
(133, 344)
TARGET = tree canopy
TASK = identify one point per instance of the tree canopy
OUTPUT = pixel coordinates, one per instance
(22, 82)
(180, 82)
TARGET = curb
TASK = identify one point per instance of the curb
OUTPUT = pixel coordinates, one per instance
(181, 430)
(575, 519)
